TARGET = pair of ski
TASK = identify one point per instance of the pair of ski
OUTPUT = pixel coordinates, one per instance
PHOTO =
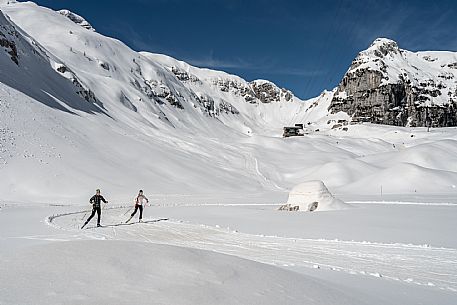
(130, 218)
(82, 227)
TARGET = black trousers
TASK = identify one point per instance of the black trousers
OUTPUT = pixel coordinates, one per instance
(97, 209)
(138, 206)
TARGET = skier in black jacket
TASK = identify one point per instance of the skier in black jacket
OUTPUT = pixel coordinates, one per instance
(96, 207)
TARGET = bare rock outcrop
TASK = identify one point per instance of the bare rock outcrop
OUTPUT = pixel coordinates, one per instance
(77, 19)
(8, 35)
(388, 85)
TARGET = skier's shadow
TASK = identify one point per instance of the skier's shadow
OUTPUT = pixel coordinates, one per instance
(133, 223)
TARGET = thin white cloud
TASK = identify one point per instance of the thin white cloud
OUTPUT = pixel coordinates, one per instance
(262, 66)
(212, 62)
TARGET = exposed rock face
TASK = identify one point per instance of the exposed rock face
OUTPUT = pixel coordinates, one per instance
(268, 92)
(81, 90)
(8, 35)
(184, 76)
(388, 85)
(161, 93)
(76, 19)
(256, 91)
(212, 109)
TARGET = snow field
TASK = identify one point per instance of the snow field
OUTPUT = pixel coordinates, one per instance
(416, 264)
(332, 271)
(123, 272)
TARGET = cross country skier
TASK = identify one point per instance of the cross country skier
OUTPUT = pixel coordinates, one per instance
(140, 199)
(96, 207)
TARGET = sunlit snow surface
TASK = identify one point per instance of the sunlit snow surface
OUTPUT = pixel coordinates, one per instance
(371, 254)
(218, 181)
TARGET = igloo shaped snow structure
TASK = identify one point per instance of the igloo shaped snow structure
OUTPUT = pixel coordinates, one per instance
(314, 196)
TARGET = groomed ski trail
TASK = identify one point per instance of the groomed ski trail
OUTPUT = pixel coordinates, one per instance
(415, 264)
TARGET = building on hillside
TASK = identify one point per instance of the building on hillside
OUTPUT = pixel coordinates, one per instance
(294, 131)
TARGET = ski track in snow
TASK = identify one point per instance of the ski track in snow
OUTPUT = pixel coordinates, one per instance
(415, 264)
(405, 203)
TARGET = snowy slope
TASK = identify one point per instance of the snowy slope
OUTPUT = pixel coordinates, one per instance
(140, 104)
(103, 115)
(154, 86)
(261, 106)
(22, 59)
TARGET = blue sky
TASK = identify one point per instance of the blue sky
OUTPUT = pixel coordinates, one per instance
(305, 46)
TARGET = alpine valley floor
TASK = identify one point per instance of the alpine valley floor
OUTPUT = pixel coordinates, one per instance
(373, 253)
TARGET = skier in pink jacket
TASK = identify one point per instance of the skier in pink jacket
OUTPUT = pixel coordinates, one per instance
(140, 199)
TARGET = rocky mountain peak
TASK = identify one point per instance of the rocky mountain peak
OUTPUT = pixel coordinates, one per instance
(380, 50)
(268, 92)
(388, 85)
(77, 19)
(383, 46)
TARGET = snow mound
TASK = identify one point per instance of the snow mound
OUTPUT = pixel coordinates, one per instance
(314, 196)
(405, 178)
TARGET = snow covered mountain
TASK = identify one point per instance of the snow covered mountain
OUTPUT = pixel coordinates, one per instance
(23, 59)
(79, 110)
(388, 85)
(70, 98)
(154, 88)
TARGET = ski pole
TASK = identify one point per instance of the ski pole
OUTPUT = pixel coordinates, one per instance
(128, 210)
(84, 215)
